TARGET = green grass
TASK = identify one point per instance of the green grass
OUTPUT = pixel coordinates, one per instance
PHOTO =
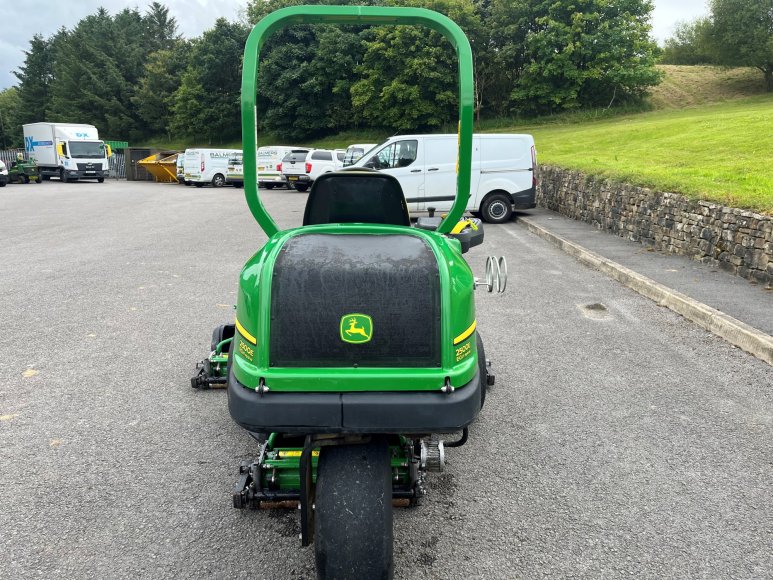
(721, 152)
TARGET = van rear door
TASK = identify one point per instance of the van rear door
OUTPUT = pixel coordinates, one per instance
(505, 159)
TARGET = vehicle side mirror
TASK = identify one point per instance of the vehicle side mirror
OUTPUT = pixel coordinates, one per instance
(109, 150)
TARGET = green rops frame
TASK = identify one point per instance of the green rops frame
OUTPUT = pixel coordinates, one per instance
(373, 15)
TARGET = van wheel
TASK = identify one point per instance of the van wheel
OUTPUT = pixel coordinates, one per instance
(496, 208)
(218, 180)
(269, 186)
(301, 187)
(199, 184)
(100, 179)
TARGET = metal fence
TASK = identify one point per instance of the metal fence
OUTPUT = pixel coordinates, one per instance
(116, 163)
(8, 156)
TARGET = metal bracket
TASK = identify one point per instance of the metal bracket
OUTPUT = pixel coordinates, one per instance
(262, 387)
(447, 388)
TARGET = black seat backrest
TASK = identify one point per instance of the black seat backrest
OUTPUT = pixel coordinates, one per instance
(356, 196)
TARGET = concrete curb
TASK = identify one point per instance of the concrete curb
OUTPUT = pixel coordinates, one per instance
(734, 331)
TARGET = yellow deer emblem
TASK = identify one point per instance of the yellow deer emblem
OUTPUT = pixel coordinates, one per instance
(356, 328)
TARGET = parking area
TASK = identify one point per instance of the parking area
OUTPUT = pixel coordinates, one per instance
(620, 441)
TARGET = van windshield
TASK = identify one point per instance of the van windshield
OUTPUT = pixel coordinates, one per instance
(86, 149)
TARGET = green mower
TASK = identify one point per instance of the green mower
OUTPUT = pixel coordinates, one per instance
(23, 171)
(355, 343)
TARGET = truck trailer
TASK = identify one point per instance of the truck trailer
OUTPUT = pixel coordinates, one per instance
(67, 151)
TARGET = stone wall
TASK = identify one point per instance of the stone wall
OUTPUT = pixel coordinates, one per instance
(735, 240)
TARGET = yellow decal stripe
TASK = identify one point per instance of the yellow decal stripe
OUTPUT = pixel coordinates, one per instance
(466, 334)
(244, 333)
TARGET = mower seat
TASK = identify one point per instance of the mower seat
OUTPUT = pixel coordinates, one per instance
(353, 196)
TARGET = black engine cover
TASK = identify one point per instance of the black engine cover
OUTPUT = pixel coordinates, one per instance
(320, 278)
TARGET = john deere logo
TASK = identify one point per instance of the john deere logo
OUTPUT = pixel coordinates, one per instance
(356, 328)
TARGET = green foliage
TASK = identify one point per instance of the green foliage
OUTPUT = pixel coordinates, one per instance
(10, 128)
(586, 53)
(691, 44)
(409, 74)
(154, 96)
(207, 103)
(132, 75)
(743, 34)
(36, 76)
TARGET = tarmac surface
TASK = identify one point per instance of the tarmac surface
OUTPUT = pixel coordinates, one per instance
(621, 440)
(742, 299)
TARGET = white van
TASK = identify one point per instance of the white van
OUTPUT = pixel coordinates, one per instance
(504, 168)
(270, 165)
(355, 151)
(204, 166)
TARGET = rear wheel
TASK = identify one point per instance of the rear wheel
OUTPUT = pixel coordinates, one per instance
(496, 208)
(353, 515)
(301, 187)
(100, 179)
(481, 369)
(218, 180)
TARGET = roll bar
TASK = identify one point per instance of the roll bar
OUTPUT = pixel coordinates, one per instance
(372, 15)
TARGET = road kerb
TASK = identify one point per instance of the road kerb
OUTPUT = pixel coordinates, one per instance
(732, 330)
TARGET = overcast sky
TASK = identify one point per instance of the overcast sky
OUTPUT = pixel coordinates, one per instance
(195, 16)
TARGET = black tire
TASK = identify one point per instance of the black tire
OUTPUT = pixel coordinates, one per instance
(481, 369)
(496, 208)
(100, 179)
(199, 184)
(353, 515)
(269, 186)
(39, 179)
(301, 187)
(218, 180)
(187, 183)
(61, 175)
(2, 183)
(26, 178)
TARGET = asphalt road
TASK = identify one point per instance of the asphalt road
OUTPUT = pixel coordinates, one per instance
(617, 442)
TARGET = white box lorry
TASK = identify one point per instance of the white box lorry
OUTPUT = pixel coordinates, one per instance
(67, 151)
(204, 166)
(504, 168)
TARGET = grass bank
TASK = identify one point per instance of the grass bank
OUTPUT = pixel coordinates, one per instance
(721, 152)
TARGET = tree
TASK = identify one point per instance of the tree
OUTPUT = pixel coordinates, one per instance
(207, 103)
(409, 74)
(691, 44)
(10, 127)
(36, 76)
(154, 96)
(743, 34)
(586, 53)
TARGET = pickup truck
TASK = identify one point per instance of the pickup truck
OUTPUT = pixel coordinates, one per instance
(301, 167)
